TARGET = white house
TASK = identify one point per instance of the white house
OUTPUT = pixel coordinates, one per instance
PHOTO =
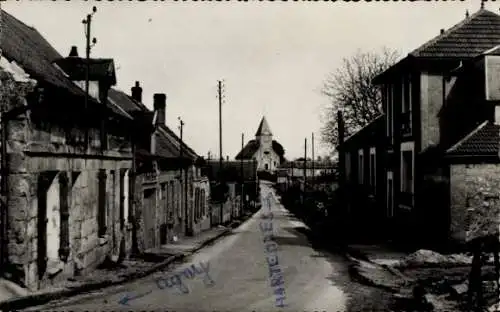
(267, 152)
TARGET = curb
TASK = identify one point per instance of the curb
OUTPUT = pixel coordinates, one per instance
(18, 303)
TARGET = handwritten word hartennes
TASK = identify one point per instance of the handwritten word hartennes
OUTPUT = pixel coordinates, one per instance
(271, 248)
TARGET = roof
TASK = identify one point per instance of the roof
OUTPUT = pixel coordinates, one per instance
(263, 128)
(465, 40)
(127, 103)
(99, 69)
(299, 164)
(483, 141)
(231, 169)
(253, 145)
(176, 142)
(368, 130)
(28, 48)
(31, 51)
(470, 37)
(248, 150)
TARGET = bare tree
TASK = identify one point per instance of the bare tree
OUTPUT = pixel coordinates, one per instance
(350, 89)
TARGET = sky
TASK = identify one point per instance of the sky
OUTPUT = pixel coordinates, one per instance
(272, 56)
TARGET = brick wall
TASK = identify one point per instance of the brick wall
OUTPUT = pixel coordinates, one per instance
(474, 200)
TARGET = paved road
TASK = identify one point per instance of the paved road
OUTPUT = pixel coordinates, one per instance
(242, 274)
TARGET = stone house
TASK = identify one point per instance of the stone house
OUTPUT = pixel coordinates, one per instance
(169, 185)
(430, 106)
(474, 161)
(63, 173)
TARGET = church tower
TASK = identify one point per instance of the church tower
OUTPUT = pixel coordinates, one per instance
(264, 135)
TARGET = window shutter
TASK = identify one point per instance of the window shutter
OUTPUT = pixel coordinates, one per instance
(64, 216)
(101, 213)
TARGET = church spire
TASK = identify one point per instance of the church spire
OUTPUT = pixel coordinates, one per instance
(263, 128)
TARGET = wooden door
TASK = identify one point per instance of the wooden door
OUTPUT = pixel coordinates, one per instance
(149, 216)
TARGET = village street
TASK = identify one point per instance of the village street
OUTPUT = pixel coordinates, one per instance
(239, 269)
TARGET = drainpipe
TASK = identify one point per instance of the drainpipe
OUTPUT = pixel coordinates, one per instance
(132, 204)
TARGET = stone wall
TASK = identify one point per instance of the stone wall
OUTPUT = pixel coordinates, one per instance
(33, 151)
(474, 200)
(431, 99)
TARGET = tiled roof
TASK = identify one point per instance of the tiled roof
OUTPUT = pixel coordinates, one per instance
(174, 140)
(253, 145)
(469, 38)
(483, 141)
(126, 102)
(367, 131)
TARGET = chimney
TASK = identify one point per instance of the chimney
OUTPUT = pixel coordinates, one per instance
(159, 103)
(442, 31)
(137, 92)
(73, 52)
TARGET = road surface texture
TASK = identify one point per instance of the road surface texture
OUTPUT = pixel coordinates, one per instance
(249, 270)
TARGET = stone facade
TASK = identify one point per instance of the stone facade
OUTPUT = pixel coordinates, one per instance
(52, 194)
(475, 200)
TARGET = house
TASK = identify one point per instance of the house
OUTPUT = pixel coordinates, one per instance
(474, 161)
(429, 107)
(240, 178)
(317, 168)
(364, 167)
(171, 194)
(63, 173)
(268, 153)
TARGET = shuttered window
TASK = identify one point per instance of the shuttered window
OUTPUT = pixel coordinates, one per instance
(64, 216)
(101, 209)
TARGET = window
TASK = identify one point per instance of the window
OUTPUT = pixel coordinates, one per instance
(266, 166)
(171, 199)
(373, 170)
(348, 166)
(390, 193)
(127, 191)
(101, 212)
(164, 199)
(360, 167)
(407, 172)
(180, 194)
(122, 199)
(64, 215)
(203, 203)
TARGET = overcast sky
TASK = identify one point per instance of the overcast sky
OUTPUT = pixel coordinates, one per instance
(273, 56)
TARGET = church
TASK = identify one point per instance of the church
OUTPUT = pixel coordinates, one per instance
(268, 153)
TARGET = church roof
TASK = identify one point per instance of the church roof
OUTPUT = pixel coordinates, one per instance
(253, 145)
(263, 127)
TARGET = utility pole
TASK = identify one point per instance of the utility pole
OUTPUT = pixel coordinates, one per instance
(305, 162)
(220, 148)
(242, 172)
(186, 223)
(88, 21)
(312, 161)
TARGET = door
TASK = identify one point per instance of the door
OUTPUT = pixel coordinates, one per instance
(149, 214)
